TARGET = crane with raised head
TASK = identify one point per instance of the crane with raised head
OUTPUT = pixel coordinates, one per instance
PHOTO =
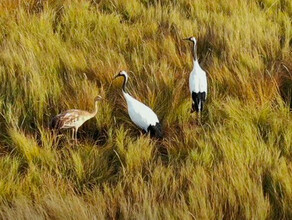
(197, 81)
(74, 118)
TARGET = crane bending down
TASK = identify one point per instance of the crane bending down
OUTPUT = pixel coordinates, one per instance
(139, 113)
(73, 118)
(197, 81)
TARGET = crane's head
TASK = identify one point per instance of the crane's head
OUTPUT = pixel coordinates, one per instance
(125, 75)
(192, 39)
(122, 73)
(98, 98)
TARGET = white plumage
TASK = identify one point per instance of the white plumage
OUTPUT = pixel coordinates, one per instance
(197, 81)
(140, 114)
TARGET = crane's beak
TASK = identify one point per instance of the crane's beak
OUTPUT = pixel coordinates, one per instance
(186, 39)
(117, 76)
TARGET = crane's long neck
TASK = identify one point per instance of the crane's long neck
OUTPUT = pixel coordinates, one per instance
(125, 83)
(94, 112)
(195, 51)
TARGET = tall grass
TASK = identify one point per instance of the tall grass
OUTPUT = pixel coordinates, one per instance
(59, 54)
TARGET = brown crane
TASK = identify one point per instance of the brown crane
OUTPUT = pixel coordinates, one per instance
(74, 118)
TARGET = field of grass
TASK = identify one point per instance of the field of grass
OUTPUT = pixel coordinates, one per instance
(59, 54)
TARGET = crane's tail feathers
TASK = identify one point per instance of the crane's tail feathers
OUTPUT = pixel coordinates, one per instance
(56, 123)
(155, 130)
(198, 101)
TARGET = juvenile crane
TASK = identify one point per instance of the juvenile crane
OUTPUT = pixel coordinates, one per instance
(139, 113)
(197, 81)
(74, 118)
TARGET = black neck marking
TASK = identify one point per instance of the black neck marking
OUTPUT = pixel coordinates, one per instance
(195, 51)
(124, 83)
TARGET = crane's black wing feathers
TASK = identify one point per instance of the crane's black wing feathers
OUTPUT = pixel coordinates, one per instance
(198, 101)
(155, 130)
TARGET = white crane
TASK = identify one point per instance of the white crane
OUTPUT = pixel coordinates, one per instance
(139, 113)
(197, 81)
(74, 118)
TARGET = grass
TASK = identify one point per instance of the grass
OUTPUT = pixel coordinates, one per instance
(59, 54)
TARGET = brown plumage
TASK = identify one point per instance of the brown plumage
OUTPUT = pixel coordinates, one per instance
(73, 118)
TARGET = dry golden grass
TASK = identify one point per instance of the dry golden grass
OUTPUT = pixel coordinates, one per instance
(59, 54)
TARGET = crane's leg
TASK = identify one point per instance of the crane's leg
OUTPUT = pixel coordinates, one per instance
(73, 133)
(200, 117)
(76, 130)
(200, 108)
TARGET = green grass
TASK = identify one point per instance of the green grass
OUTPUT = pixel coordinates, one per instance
(60, 54)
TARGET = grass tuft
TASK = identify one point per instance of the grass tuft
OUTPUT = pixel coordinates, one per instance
(59, 54)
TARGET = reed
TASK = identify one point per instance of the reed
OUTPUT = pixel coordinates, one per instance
(59, 54)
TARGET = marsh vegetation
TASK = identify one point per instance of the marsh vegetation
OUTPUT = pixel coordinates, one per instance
(59, 54)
